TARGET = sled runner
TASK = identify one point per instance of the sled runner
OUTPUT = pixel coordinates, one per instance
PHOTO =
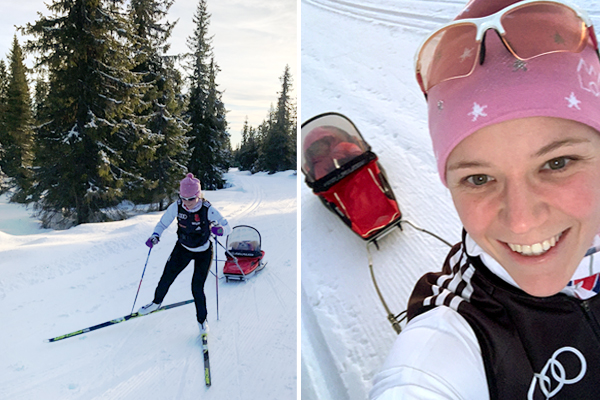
(341, 169)
(244, 253)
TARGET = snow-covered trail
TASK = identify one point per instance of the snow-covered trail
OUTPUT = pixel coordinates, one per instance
(357, 59)
(55, 282)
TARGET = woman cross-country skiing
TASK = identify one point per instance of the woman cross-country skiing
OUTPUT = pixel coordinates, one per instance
(513, 92)
(196, 219)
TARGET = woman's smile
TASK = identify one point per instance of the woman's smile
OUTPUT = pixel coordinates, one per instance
(535, 249)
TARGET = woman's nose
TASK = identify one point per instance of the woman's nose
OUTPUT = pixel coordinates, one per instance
(523, 207)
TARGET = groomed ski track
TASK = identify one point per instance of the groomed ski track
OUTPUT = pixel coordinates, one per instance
(55, 282)
(357, 59)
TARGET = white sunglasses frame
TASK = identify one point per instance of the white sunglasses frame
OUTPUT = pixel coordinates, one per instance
(494, 21)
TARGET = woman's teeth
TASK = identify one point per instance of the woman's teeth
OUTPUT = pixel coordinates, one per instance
(537, 248)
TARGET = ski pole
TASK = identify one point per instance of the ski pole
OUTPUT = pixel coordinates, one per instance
(234, 258)
(140, 285)
(217, 276)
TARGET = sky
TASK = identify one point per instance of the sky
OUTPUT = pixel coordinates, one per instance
(253, 41)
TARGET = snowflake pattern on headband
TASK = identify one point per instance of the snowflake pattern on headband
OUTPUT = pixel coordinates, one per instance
(478, 111)
(519, 65)
(573, 101)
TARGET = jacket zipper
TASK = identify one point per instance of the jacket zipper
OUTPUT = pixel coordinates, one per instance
(593, 321)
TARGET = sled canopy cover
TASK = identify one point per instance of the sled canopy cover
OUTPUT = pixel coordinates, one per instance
(329, 142)
(244, 241)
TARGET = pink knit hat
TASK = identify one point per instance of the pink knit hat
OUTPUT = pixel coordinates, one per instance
(190, 186)
(562, 85)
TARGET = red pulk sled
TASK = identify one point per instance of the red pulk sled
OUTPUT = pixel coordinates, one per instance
(244, 254)
(342, 170)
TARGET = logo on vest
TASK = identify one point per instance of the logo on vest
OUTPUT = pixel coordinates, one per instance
(182, 216)
(559, 376)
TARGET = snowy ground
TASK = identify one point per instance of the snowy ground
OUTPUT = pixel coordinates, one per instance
(357, 59)
(55, 282)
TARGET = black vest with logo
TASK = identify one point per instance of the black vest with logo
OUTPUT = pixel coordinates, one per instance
(532, 348)
(193, 228)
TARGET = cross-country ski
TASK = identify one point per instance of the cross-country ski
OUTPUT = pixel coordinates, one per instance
(207, 380)
(116, 321)
(55, 282)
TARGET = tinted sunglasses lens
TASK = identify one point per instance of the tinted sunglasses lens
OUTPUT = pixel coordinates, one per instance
(188, 198)
(450, 53)
(543, 28)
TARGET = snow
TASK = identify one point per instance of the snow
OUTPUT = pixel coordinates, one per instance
(357, 59)
(56, 282)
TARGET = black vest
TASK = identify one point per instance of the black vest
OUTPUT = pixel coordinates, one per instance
(193, 228)
(532, 348)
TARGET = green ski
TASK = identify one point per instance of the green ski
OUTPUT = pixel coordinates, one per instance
(116, 321)
(206, 361)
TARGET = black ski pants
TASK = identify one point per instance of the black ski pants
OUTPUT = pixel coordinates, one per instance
(178, 260)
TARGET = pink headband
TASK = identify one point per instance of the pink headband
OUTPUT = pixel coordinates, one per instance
(562, 85)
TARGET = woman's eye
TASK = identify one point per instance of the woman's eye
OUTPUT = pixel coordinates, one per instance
(478, 180)
(557, 163)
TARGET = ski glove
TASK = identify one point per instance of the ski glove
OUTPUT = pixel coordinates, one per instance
(152, 240)
(217, 230)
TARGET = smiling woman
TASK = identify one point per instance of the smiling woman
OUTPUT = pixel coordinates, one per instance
(514, 117)
(528, 192)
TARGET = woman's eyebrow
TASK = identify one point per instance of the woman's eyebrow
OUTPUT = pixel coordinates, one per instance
(558, 144)
(467, 164)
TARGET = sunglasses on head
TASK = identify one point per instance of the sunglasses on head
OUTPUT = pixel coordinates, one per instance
(528, 29)
(188, 198)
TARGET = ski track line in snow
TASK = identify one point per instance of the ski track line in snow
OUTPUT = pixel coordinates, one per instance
(22, 387)
(256, 301)
(273, 285)
(128, 387)
(131, 387)
(257, 197)
(191, 350)
(66, 265)
(196, 343)
(384, 15)
(238, 359)
(324, 370)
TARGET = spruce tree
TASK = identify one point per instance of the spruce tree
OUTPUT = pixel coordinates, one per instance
(247, 154)
(83, 46)
(206, 111)
(3, 91)
(163, 154)
(3, 96)
(39, 99)
(17, 121)
(278, 146)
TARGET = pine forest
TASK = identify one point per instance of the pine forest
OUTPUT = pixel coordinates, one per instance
(107, 115)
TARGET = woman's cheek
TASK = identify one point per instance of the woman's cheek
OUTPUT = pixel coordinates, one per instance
(475, 212)
(579, 197)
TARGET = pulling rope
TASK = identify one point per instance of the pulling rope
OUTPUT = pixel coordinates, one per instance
(393, 319)
(395, 323)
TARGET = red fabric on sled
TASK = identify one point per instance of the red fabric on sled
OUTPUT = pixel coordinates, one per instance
(361, 198)
(248, 265)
